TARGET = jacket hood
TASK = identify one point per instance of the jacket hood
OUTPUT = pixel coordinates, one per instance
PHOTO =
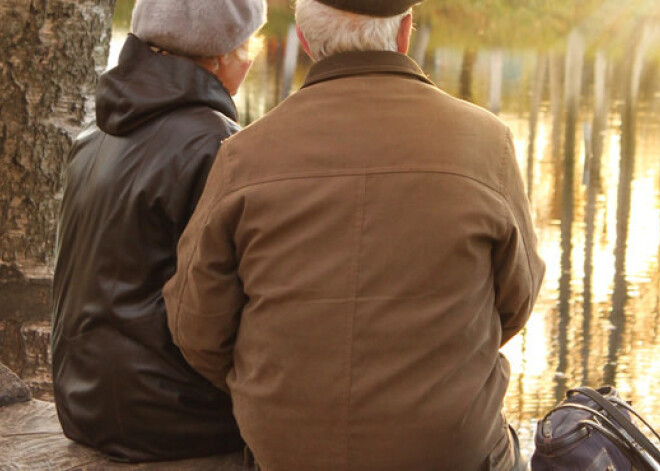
(145, 85)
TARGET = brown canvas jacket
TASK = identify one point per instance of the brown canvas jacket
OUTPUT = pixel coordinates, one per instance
(356, 261)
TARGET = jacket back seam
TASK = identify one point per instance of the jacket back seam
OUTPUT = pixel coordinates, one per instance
(354, 173)
(350, 328)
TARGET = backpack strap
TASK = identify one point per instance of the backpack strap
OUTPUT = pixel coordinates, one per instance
(621, 419)
(637, 459)
(612, 432)
(625, 405)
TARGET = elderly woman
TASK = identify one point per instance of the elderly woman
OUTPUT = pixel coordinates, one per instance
(133, 180)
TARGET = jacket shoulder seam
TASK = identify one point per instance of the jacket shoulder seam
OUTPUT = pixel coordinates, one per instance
(357, 173)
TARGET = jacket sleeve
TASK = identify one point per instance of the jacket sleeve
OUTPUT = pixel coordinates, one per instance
(205, 297)
(186, 189)
(518, 268)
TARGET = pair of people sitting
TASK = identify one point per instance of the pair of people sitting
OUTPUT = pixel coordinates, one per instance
(330, 286)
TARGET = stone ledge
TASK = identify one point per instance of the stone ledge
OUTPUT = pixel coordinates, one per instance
(25, 313)
(25, 349)
(12, 389)
(31, 439)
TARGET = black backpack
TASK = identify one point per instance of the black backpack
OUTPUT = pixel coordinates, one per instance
(591, 430)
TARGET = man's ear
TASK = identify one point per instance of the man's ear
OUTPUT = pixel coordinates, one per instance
(403, 36)
(304, 42)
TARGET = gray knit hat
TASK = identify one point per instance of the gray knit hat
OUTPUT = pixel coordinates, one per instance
(197, 28)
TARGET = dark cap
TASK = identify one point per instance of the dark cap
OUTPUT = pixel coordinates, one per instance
(372, 7)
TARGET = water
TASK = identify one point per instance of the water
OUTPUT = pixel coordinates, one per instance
(585, 112)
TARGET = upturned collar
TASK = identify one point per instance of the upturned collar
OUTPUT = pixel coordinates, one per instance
(347, 64)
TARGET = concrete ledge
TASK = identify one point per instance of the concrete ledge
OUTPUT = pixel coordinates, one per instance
(31, 439)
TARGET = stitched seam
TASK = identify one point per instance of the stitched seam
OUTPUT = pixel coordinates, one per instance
(508, 156)
(503, 159)
(524, 243)
(348, 73)
(364, 171)
(360, 217)
(500, 177)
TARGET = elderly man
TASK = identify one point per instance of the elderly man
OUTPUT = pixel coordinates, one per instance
(357, 259)
(134, 178)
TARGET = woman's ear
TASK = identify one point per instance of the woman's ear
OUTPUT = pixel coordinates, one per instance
(304, 42)
(403, 36)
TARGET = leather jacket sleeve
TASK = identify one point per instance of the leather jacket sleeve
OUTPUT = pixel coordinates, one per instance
(518, 268)
(205, 297)
(186, 190)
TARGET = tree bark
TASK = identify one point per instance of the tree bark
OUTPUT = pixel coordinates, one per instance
(51, 54)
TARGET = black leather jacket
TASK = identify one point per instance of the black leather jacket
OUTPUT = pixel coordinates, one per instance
(133, 181)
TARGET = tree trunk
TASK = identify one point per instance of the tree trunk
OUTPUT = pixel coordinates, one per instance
(420, 45)
(290, 61)
(467, 70)
(51, 54)
(496, 79)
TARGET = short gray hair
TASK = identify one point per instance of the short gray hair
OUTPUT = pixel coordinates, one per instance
(329, 31)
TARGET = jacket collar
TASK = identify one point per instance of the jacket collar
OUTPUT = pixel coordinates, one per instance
(346, 64)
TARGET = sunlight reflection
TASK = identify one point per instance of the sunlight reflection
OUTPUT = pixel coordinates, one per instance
(644, 228)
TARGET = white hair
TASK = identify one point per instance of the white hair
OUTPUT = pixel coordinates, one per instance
(329, 31)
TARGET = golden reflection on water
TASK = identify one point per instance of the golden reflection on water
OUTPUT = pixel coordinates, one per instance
(536, 384)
